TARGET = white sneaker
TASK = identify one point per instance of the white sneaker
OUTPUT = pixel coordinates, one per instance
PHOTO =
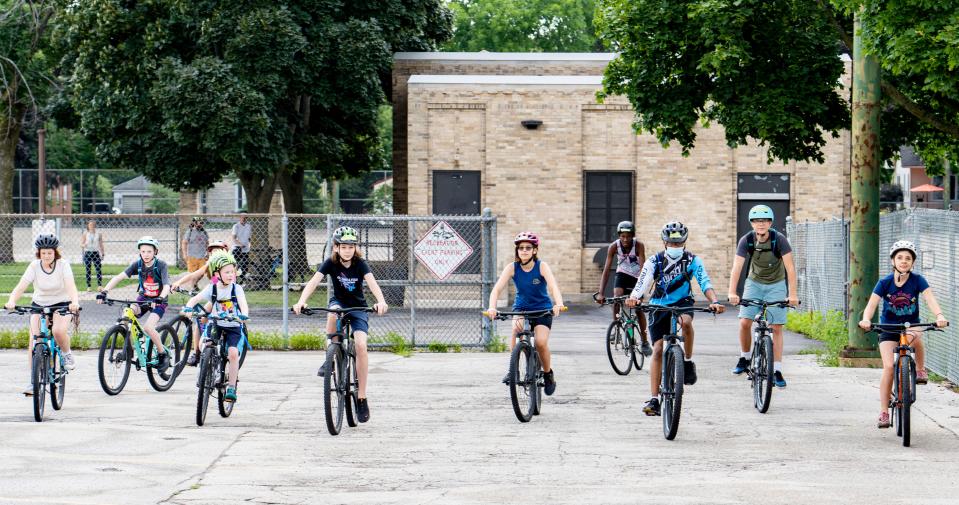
(28, 391)
(69, 361)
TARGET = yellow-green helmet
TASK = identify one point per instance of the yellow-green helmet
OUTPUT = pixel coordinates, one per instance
(345, 235)
(220, 259)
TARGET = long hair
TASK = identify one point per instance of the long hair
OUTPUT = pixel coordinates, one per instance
(358, 255)
(516, 254)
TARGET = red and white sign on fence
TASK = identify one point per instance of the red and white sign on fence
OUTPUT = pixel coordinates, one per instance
(442, 250)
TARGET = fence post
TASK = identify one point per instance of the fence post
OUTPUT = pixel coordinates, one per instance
(487, 271)
(411, 240)
(176, 240)
(286, 278)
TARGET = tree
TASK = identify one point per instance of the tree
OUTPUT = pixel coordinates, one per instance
(768, 70)
(523, 26)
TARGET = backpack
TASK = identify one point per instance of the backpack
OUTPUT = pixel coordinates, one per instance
(684, 263)
(156, 273)
(244, 342)
(751, 243)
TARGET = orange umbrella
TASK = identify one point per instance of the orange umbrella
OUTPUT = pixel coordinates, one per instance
(926, 188)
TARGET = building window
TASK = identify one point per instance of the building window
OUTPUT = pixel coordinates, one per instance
(939, 181)
(240, 204)
(608, 200)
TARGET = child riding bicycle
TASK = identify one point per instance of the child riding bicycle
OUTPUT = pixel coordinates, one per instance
(191, 279)
(631, 255)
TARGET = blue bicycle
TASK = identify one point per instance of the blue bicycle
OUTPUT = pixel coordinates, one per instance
(48, 368)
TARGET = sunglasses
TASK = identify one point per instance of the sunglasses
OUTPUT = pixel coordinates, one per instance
(524, 248)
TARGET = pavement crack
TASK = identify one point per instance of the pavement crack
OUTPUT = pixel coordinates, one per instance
(286, 398)
(202, 473)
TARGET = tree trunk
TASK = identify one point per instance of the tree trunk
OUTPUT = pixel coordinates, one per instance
(259, 193)
(9, 136)
(291, 184)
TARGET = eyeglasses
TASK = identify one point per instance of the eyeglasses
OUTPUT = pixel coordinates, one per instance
(525, 248)
(762, 221)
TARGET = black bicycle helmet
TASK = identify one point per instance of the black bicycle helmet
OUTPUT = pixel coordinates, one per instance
(46, 242)
(675, 233)
(625, 227)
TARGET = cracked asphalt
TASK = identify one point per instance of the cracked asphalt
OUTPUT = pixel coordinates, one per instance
(443, 431)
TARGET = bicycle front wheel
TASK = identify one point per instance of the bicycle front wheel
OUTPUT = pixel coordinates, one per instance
(39, 376)
(162, 380)
(907, 387)
(225, 407)
(204, 385)
(671, 390)
(113, 366)
(619, 349)
(351, 386)
(58, 387)
(334, 396)
(762, 374)
(182, 329)
(522, 382)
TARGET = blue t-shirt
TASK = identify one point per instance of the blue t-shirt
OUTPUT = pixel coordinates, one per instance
(900, 304)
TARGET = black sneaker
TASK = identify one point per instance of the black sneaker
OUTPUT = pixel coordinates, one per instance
(550, 383)
(362, 410)
(506, 378)
(778, 380)
(652, 407)
(193, 359)
(646, 349)
(741, 366)
(163, 362)
(322, 371)
(689, 373)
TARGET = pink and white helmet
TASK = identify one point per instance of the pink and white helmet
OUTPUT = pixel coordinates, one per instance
(527, 236)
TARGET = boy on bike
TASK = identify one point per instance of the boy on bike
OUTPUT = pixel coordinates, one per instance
(670, 272)
(631, 255)
(771, 267)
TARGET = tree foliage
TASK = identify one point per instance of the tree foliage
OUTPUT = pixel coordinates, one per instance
(523, 26)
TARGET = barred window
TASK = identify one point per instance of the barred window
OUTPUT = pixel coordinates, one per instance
(608, 200)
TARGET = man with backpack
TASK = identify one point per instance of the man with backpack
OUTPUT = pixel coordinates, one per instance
(772, 277)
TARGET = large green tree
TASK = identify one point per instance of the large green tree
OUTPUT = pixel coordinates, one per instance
(769, 70)
(523, 26)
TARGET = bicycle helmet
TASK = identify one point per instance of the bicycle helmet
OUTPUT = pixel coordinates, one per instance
(219, 260)
(760, 212)
(345, 235)
(526, 236)
(903, 245)
(148, 240)
(625, 227)
(675, 232)
(46, 242)
(216, 244)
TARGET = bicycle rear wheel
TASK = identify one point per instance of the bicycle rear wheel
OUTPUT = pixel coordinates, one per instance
(522, 383)
(619, 348)
(58, 387)
(113, 365)
(639, 359)
(204, 385)
(762, 374)
(906, 390)
(225, 407)
(334, 398)
(163, 380)
(182, 329)
(38, 374)
(671, 390)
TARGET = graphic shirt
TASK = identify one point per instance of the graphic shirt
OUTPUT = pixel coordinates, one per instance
(224, 301)
(347, 281)
(152, 277)
(669, 274)
(628, 263)
(900, 304)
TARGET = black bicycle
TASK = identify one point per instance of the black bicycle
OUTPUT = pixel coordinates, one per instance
(904, 375)
(673, 374)
(340, 383)
(621, 347)
(760, 371)
(47, 367)
(183, 327)
(214, 376)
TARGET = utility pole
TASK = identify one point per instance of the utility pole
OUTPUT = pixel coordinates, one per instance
(42, 165)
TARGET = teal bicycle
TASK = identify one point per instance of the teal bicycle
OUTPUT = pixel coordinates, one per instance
(48, 369)
(622, 348)
(128, 344)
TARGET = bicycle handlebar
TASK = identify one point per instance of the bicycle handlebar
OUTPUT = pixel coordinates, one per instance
(29, 309)
(750, 302)
(111, 301)
(675, 310)
(612, 299)
(306, 311)
(238, 319)
(503, 315)
(905, 327)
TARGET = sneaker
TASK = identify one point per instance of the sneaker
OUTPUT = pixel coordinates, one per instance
(652, 407)
(689, 373)
(163, 362)
(778, 380)
(362, 410)
(646, 349)
(230, 395)
(550, 383)
(68, 361)
(741, 366)
(506, 378)
(28, 391)
(922, 376)
(193, 359)
(884, 421)
(322, 371)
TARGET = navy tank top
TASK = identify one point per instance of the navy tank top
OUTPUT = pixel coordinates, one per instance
(531, 292)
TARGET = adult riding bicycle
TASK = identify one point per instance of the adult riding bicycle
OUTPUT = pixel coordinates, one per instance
(621, 346)
(214, 374)
(127, 343)
(761, 371)
(48, 368)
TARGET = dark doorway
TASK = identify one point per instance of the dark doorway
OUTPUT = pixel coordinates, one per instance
(757, 189)
(457, 192)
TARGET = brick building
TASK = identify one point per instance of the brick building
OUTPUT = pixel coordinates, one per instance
(523, 134)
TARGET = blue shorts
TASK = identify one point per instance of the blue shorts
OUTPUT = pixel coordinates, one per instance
(159, 309)
(766, 292)
(231, 335)
(359, 321)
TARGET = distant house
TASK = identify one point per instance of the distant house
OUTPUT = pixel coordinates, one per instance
(131, 197)
(911, 173)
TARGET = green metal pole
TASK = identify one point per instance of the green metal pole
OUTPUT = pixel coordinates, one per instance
(864, 216)
(947, 186)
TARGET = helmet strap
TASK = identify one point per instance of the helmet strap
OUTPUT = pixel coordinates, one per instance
(527, 262)
(900, 275)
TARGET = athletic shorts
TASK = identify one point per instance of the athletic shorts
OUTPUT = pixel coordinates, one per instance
(625, 281)
(159, 309)
(359, 321)
(659, 325)
(766, 292)
(231, 335)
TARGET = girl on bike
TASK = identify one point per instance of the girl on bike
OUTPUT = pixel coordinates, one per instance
(899, 293)
(349, 271)
(53, 286)
(191, 279)
(631, 255)
(534, 283)
(154, 286)
(225, 298)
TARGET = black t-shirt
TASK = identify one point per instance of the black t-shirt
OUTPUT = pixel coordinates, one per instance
(347, 281)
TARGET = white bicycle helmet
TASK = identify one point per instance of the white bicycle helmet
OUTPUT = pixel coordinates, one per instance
(900, 245)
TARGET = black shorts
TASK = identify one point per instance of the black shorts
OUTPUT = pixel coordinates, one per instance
(659, 325)
(546, 321)
(625, 281)
(892, 337)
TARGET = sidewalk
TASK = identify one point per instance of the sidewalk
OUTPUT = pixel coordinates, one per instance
(443, 431)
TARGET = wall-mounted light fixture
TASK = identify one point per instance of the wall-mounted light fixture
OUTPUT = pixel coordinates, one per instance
(531, 124)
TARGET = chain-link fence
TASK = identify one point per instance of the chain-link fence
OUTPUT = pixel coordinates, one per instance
(820, 259)
(435, 272)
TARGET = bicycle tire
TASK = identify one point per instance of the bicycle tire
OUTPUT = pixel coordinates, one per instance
(617, 347)
(224, 407)
(522, 383)
(671, 390)
(908, 387)
(182, 327)
(163, 381)
(352, 391)
(115, 344)
(204, 385)
(763, 371)
(538, 379)
(38, 373)
(639, 359)
(58, 388)
(334, 401)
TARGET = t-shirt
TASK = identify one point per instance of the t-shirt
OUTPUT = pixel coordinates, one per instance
(151, 279)
(49, 288)
(764, 266)
(224, 301)
(196, 242)
(242, 232)
(347, 281)
(900, 304)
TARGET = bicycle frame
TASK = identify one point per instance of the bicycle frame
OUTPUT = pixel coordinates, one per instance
(49, 344)
(137, 332)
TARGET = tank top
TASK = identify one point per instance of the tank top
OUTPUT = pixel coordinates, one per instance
(531, 292)
(628, 263)
(93, 241)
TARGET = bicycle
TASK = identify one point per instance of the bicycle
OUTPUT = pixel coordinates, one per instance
(48, 366)
(118, 352)
(525, 366)
(760, 371)
(184, 325)
(620, 337)
(673, 374)
(214, 374)
(904, 376)
(340, 383)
